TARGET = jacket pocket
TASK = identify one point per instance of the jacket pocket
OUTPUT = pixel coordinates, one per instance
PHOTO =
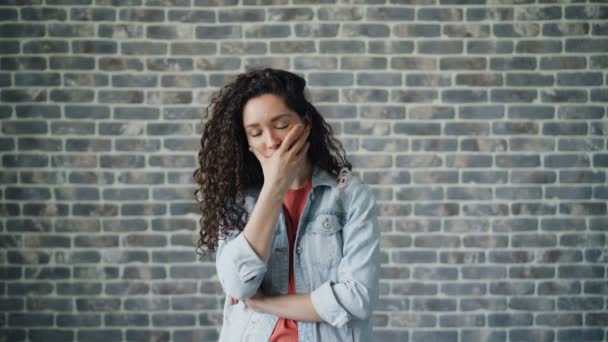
(323, 240)
(236, 319)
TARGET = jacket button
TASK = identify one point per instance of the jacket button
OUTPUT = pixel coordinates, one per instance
(299, 249)
(326, 224)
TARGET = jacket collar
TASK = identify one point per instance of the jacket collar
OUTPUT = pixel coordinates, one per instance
(322, 177)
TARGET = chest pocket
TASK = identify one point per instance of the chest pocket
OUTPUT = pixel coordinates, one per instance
(323, 245)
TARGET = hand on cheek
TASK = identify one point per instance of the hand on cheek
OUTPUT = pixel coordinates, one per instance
(280, 167)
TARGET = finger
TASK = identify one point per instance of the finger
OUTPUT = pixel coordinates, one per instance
(304, 150)
(297, 146)
(291, 137)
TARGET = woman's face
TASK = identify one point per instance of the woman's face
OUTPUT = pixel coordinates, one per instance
(266, 121)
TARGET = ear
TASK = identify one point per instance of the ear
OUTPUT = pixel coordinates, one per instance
(307, 119)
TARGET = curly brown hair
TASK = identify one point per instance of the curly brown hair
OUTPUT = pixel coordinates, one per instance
(226, 167)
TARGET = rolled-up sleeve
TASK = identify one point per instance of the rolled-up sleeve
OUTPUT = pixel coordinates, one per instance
(239, 268)
(355, 294)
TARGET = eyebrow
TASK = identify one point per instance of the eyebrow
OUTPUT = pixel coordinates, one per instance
(273, 120)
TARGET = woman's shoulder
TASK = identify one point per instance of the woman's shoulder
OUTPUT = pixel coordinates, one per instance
(348, 191)
(353, 186)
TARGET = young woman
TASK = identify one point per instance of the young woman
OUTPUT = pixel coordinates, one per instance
(295, 234)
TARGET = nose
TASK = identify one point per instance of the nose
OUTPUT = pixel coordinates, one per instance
(272, 141)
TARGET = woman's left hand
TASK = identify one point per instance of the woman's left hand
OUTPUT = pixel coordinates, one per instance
(255, 302)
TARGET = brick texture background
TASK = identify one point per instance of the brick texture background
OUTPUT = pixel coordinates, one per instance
(481, 125)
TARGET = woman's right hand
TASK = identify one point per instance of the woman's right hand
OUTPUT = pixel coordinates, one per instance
(280, 168)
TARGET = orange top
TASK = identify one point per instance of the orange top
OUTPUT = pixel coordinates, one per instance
(286, 330)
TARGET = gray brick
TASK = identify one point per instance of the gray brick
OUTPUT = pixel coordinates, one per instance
(197, 335)
(533, 209)
(494, 304)
(509, 320)
(50, 335)
(517, 29)
(432, 241)
(31, 79)
(489, 13)
(121, 161)
(466, 31)
(291, 14)
(127, 288)
(117, 63)
(586, 45)
(489, 47)
(389, 14)
(30, 319)
(144, 272)
(316, 30)
(444, 48)
(9, 47)
(512, 63)
(461, 193)
(340, 46)
(9, 160)
(562, 62)
(559, 288)
(21, 30)
(191, 16)
(8, 14)
(206, 3)
(394, 273)
(434, 145)
(440, 14)
(30, 144)
(365, 30)
(94, 335)
(17, 95)
(468, 160)
(532, 334)
(37, 111)
(483, 335)
(515, 95)
(391, 47)
(596, 319)
(126, 319)
(588, 334)
(538, 46)
(485, 209)
(525, 79)
(416, 30)
(219, 32)
(23, 63)
(242, 15)
(413, 63)
(459, 320)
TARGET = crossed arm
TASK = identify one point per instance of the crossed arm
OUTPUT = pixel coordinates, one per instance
(297, 307)
(352, 296)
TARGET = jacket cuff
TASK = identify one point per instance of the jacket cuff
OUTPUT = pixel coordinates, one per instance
(246, 262)
(327, 306)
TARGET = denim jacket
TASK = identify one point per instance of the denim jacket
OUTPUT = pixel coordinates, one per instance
(336, 260)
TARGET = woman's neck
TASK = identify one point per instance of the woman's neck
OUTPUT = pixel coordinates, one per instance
(303, 176)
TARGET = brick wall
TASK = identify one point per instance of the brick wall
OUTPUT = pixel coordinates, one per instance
(481, 125)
